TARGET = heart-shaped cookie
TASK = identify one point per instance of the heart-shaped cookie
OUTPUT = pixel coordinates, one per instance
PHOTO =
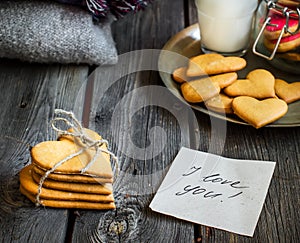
(31, 186)
(179, 75)
(63, 198)
(73, 177)
(224, 79)
(289, 92)
(46, 154)
(213, 63)
(199, 90)
(259, 113)
(97, 188)
(277, 23)
(220, 103)
(259, 84)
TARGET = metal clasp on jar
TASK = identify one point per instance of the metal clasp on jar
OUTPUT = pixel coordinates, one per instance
(286, 12)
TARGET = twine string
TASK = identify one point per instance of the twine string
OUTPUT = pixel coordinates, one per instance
(87, 142)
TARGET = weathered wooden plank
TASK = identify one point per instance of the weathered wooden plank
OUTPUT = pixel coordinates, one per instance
(149, 29)
(124, 111)
(280, 215)
(126, 121)
(30, 92)
(191, 12)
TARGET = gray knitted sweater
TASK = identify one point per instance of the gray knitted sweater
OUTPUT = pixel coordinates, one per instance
(49, 32)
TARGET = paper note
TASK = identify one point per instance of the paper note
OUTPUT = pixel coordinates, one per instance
(215, 191)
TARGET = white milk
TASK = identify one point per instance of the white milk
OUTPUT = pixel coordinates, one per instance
(225, 25)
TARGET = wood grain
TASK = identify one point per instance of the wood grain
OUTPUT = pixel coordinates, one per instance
(146, 126)
(280, 217)
(127, 115)
(31, 92)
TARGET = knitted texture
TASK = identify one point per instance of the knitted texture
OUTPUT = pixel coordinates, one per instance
(49, 32)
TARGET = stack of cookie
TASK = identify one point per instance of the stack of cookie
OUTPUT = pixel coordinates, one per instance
(67, 186)
(259, 99)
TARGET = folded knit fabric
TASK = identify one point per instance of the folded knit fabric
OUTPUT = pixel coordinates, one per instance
(50, 32)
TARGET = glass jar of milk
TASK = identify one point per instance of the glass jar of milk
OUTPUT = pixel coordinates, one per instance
(225, 25)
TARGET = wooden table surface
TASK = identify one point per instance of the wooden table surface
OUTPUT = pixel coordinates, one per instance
(114, 108)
